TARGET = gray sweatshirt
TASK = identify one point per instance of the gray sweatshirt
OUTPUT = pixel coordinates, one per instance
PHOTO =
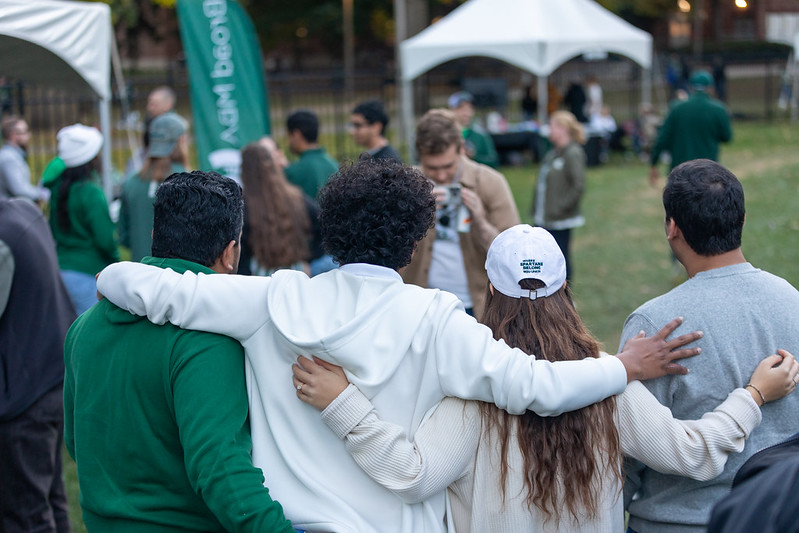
(746, 314)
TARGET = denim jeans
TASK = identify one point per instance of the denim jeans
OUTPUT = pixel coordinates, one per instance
(82, 289)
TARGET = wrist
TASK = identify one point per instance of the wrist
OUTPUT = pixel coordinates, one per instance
(756, 394)
(633, 373)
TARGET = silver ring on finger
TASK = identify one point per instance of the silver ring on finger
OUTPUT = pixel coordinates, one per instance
(299, 387)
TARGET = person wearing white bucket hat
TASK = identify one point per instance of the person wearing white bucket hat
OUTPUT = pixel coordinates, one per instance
(533, 473)
(79, 218)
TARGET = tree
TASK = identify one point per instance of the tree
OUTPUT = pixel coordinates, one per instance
(133, 19)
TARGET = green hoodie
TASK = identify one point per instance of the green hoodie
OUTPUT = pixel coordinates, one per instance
(156, 420)
(89, 244)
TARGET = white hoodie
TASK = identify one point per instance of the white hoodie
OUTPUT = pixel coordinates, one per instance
(403, 346)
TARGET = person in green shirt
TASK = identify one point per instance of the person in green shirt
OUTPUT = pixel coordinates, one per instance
(156, 417)
(167, 154)
(79, 218)
(476, 141)
(693, 128)
(314, 166)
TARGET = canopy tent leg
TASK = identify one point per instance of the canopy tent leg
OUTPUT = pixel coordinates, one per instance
(543, 100)
(104, 105)
(646, 85)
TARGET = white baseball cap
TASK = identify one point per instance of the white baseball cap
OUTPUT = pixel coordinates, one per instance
(523, 252)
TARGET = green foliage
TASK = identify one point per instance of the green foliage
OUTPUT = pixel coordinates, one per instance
(641, 8)
(278, 22)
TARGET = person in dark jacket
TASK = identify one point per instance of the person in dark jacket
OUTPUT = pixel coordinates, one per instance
(35, 313)
(763, 496)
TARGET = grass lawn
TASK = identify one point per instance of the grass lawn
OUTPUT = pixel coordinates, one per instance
(621, 257)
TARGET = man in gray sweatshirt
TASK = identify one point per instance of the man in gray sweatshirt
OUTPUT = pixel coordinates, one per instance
(745, 314)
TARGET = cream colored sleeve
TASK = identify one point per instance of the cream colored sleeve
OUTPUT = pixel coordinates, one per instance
(443, 448)
(693, 448)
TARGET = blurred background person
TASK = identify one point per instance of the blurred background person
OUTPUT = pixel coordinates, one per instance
(368, 124)
(476, 141)
(693, 129)
(473, 204)
(575, 100)
(281, 223)
(314, 166)
(168, 153)
(79, 218)
(530, 103)
(594, 104)
(561, 181)
(161, 100)
(15, 175)
(35, 313)
(720, 77)
(604, 126)
(645, 130)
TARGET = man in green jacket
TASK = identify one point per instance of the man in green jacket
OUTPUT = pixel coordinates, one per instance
(162, 442)
(693, 129)
(311, 171)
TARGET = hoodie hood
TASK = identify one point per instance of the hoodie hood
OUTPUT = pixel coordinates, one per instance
(334, 321)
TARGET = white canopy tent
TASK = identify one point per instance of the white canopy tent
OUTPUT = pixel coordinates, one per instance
(535, 35)
(784, 28)
(62, 44)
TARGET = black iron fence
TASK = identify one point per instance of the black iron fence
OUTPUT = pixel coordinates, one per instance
(753, 89)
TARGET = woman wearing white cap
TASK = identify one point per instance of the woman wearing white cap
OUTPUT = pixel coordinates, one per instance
(79, 219)
(531, 473)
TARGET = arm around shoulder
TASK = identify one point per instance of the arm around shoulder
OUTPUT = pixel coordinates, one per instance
(226, 304)
(693, 448)
(472, 365)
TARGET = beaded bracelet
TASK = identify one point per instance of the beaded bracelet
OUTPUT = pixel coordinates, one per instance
(758, 391)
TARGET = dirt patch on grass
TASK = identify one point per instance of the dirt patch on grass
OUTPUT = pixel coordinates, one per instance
(747, 165)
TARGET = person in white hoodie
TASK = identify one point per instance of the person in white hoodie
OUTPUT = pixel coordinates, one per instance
(403, 346)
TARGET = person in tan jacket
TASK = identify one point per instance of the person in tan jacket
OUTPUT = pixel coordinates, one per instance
(474, 204)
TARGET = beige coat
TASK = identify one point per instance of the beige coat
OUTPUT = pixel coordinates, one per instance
(501, 212)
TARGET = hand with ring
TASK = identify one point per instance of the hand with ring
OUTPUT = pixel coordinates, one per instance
(318, 382)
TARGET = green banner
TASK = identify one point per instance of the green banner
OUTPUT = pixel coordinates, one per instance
(226, 81)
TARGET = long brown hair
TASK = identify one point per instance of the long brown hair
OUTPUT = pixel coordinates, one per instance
(276, 211)
(567, 457)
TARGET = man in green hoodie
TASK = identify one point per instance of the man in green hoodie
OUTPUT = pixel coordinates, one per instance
(693, 129)
(156, 416)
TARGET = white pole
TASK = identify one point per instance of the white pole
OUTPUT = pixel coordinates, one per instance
(105, 125)
(646, 85)
(543, 100)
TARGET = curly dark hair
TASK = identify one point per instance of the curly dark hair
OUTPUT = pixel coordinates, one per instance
(375, 211)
